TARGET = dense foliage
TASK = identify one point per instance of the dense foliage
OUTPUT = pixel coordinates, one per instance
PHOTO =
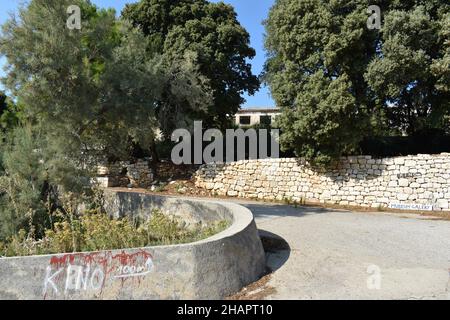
(211, 33)
(10, 114)
(90, 87)
(338, 82)
(83, 96)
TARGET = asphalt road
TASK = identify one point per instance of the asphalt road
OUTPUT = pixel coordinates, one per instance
(332, 254)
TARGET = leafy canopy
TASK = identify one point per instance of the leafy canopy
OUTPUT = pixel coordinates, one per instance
(220, 45)
(338, 82)
(84, 94)
(93, 86)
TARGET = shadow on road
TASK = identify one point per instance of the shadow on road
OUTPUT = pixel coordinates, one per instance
(276, 210)
(276, 248)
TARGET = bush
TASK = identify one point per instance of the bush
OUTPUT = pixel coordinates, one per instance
(23, 183)
(94, 231)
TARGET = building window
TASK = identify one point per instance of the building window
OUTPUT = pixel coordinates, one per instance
(244, 120)
(265, 120)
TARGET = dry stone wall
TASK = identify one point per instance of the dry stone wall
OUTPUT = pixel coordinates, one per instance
(132, 174)
(420, 182)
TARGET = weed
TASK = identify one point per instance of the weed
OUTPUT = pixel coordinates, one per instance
(95, 231)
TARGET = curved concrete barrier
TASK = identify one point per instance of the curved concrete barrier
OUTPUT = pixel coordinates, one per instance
(209, 269)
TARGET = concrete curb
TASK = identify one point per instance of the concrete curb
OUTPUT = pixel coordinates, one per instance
(208, 269)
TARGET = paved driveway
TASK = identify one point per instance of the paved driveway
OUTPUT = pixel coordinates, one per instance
(331, 254)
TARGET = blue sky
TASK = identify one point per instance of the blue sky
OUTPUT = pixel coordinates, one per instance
(251, 13)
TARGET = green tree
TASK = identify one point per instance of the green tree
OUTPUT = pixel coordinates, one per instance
(410, 74)
(338, 82)
(92, 87)
(219, 47)
(23, 181)
(85, 93)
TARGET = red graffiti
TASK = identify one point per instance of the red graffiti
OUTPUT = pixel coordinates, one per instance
(91, 271)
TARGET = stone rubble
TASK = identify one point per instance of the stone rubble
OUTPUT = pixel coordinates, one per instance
(134, 174)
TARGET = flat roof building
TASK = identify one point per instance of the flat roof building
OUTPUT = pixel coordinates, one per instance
(253, 116)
